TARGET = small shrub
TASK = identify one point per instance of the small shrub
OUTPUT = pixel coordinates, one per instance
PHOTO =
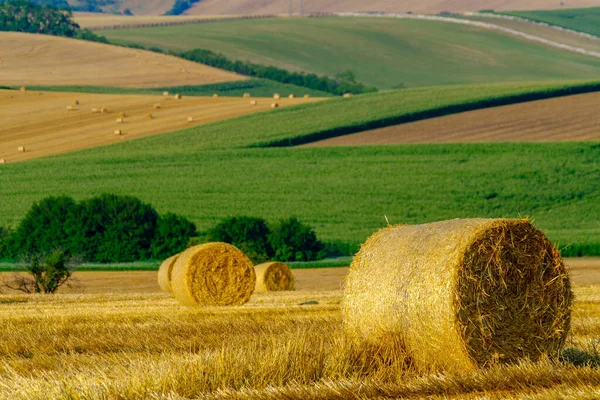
(248, 234)
(291, 240)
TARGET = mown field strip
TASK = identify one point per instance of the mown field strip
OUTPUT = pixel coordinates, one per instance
(107, 21)
(29, 59)
(570, 118)
(41, 122)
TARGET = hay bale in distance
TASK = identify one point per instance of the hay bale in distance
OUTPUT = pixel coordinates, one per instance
(253, 102)
(149, 116)
(122, 115)
(166, 94)
(292, 96)
(177, 96)
(190, 119)
(215, 95)
(347, 95)
(95, 110)
(2, 161)
(157, 106)
(164, 273)
(75, 102)
(213, 274)
(23, 89)
(21, 149)
(274, 105)
(307, 96)
(118, 132)
(460, 294)
(246, 95)
(104, 110)
(273, 276)
(277, 96)
(119, 120)
(70, 108)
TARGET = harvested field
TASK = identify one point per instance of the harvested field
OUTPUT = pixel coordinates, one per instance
(571, 118)
(584, 272)
(98, 21)
(29, 59)
(40, 121)
(430, 6)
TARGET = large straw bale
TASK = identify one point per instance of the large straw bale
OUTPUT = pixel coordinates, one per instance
(213, 274)
(460, 294)
(164, 273)
(273, 276)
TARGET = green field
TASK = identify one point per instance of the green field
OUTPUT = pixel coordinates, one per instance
(386, 53)
(579, 19)
(209, 172)
(256, 87)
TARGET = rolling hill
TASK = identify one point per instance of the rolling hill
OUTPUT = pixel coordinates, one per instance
(585, 20)
(29, 59)
(428, 6)
(382, 52)
(571, 118)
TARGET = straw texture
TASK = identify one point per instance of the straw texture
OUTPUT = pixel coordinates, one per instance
(460, 294)
(164, 273)
(273, 276)
(213, 274)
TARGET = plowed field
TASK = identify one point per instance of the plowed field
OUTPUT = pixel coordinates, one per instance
(572, 118)
(27, 59)
(41, 122)
(428, 6)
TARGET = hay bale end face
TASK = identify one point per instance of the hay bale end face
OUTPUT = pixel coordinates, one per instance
(164, 273)
(460, 294)
(118, 132)
(2, 161)
(23, 89)
(190, 119)
(213, 274)
(21, 149)
(273, 276)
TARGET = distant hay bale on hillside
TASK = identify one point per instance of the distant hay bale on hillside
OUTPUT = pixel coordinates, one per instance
(118, 132)
(292, 96)
(274, 105)
(21, 149)
(75, 102)
(347, 95)
(157, 106)
(166, 94)
(2, 161)
(246, 95)
(190, 119)
(119, 120)
(95, 110)
(104, 110)
(253, 102)
(213, 274)
(149, 116)
(460, 294)
(273, 276)
(164, 273)
(122, 115)
(177, 96)
(215, 95)
(23, 89)
(306, 96)
(71, 108)
(277, 96)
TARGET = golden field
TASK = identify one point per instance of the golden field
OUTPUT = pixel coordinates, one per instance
(570, 118)
(29, 59)
(41, 122)
(145, 345)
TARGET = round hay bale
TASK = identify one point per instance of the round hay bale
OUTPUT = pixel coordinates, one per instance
(307, 96)
(190, 119)
(157, 106)
(164, 273)
(246, 95)
(274, 105)
(277, 96)
(253, 102)
(149, 116)
(460, 294)
(292, 96)
(347, 95)
(215, 95)
(177, 96)
(273, 276)
(213, 274)
(165, 94)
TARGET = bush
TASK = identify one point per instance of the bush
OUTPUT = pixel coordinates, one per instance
(293, 241)
(173, 234)
(248, 234)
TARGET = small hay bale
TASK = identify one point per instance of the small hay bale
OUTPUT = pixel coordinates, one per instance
(157, 106)
(253, 102)
(95, 110)
(274, 105)
(70, 108)
(246, 95)
(166, 94)
(273, 276)
(164, 273)
(307, 96)
(21, 149)
(277, 96)
(75, 102)
(460, 294)
(122, 115)
(190, 119)
(2, 161)
(23, 89)
(104, 110)
(177, 96)
(292, 96)
(119, 120)
(213, 274)
(215, 95)
(118, 132)
(149, 116)
(347, 95)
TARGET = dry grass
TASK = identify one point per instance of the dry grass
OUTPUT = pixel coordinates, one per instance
(43, 60)
(571, 118)
(39, 120)
(93, 20)
(146, 345)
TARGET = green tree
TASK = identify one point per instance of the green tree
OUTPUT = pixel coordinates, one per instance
(291, 240)
(248, 234)
(172, 236)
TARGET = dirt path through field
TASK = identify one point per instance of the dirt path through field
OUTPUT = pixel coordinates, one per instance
(41, 123)
(584, 272)
(571, 118)
(27, 59)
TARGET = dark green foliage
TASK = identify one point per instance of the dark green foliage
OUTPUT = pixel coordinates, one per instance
(581, 358)
(44, 273)
(344, 82)
(172, 236)
(4, 249)
(246, 233)
(43, 17)
(181, 6)
(580, 250)
(114, 228)
(293, 241)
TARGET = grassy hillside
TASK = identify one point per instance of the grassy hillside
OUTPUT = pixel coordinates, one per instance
(205, 174)
(386, 53)
(579, 19)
